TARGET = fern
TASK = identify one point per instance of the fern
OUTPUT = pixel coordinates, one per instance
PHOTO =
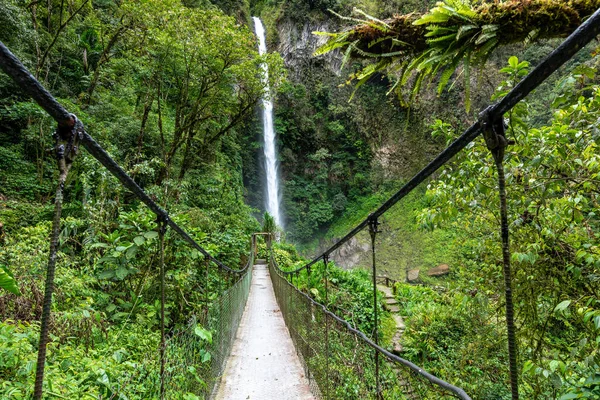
(451, 33)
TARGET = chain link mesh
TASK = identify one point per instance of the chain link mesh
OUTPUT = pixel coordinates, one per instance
(186, 371)
(340, 362)
(189, 372)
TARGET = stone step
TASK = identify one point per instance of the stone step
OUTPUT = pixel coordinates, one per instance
(394, 308)
(399, 322)
(390, 301)
(385, 290)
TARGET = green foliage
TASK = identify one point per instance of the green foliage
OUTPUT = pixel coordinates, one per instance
(552, 199)
(269, 225)
(350, 292)
(450, 334)
(165, 89)
(415, 49)
(7, 281)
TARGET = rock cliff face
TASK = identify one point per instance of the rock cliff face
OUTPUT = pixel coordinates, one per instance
(297, 43)
(354, 253)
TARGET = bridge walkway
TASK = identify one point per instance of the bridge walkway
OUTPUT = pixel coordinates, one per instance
(263, 363)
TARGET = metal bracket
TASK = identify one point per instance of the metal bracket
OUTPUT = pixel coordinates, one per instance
(162, 221)
(494, 133)
(67, 142)
(373, 222)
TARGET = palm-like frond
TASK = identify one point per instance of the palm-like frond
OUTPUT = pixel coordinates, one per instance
(454, 32)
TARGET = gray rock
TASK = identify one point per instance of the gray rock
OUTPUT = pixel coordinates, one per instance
(297, 45)
(413, 275)
(440, 270)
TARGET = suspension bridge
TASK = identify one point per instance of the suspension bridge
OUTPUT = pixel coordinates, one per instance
(271, 340)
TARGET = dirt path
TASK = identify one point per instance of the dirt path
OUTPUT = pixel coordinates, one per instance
(263, 364)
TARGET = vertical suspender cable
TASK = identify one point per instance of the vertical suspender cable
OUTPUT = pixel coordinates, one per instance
(326, 262)
(373, 231)
(495, 139)
(162, 228)
(66, 149)
(510, 322)
(207, 262)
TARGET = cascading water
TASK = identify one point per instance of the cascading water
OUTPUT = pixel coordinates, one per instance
(272, 203)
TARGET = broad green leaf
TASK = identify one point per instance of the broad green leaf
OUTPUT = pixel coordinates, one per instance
(121, 273)
(562, 306)
(569, 396)
(151, 234)
(204, 334)
(7, 281)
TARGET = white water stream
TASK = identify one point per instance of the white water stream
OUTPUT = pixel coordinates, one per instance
(272, 202)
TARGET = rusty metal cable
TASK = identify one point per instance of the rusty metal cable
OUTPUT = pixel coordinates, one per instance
(66, 149)
(162, 228)
(496, 142)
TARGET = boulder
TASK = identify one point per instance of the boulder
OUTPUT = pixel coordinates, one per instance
(412, 275)
(440, 270)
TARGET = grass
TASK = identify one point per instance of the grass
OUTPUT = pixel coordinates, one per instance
(403, 244)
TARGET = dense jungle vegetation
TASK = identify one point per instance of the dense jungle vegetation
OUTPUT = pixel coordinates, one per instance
(170, 88)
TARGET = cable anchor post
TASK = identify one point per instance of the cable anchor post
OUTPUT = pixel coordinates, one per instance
(494, 133)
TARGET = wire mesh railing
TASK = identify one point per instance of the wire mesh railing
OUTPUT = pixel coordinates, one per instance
(195, 363)
(195, 354)
(341, 362)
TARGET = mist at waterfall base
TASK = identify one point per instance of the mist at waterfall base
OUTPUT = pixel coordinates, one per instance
(272, 203)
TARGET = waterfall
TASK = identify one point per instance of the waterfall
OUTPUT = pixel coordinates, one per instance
(272, 202)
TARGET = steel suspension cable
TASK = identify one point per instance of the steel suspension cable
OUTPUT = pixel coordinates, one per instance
(495, 139)
(11, 65)
(373, 231)
(162, 228)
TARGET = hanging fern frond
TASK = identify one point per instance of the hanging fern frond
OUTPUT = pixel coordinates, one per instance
(432, 46)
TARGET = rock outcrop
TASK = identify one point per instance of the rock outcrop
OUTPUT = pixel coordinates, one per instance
(297, 43)
(440, 270)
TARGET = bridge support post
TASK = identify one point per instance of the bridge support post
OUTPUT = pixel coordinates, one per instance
(496, 141)
(373, 231)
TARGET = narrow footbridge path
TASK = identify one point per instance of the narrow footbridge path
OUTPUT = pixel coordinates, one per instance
(263, 362)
